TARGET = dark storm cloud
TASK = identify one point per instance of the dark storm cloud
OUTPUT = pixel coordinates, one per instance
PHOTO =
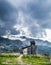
(41, 11)
(8, 15)
(5, 10)
(37, 16)
(28, 14)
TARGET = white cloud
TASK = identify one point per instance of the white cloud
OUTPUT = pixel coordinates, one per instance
(48, 34)
(23, 30)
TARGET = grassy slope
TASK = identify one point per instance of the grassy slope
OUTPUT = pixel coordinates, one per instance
(8, 59)
(34, 60)
(11, 59)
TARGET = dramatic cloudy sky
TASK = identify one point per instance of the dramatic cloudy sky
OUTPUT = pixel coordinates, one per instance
(26, 17)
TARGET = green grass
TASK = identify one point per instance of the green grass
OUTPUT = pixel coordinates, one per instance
(11, 59)
(36, 60)
(8, 59)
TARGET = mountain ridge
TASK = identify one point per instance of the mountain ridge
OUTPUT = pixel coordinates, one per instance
(8, 45)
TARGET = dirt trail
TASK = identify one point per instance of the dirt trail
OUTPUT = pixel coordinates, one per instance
(20, 60)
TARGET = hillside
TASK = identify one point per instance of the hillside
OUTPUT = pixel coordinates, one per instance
(36, 60)
(9, 45)
(12, 59)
